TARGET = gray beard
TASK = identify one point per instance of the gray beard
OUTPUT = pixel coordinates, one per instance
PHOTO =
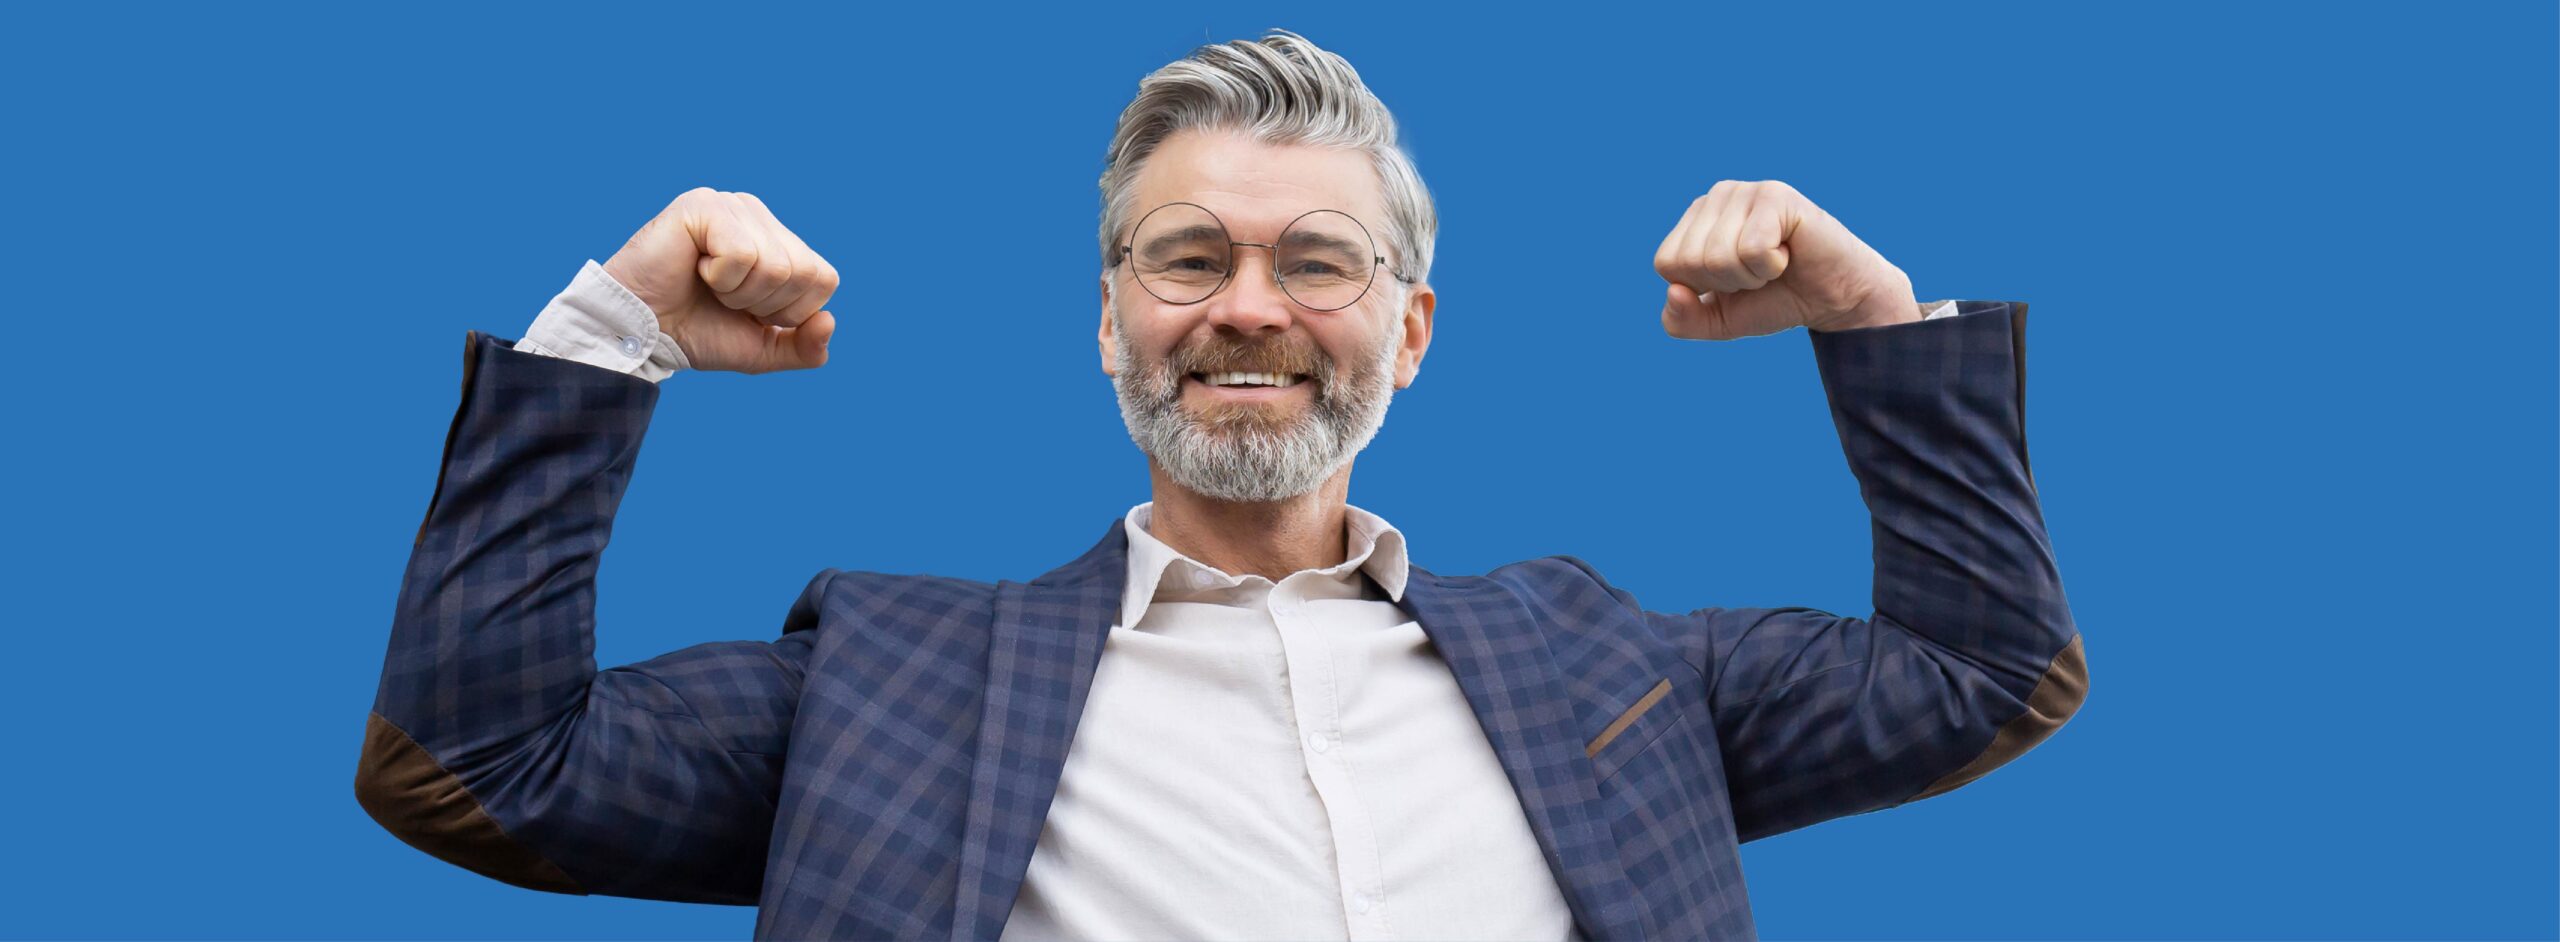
(1241, 455)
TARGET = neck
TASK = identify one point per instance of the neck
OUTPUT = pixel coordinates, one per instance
(1270, 540)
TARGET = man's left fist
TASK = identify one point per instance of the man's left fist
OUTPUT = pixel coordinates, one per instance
(1758, 258)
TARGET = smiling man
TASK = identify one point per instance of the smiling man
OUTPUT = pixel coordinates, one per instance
(1244, 712)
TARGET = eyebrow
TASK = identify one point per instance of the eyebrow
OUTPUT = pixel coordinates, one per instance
(1186, 234)
(1323, 241)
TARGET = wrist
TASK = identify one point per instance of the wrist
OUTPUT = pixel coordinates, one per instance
(1882, 308)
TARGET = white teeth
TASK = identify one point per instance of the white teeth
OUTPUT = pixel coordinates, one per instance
(1282, 380)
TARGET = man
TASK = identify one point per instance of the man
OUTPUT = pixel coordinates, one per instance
(1243, 712)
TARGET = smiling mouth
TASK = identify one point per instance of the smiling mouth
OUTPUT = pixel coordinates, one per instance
(1247, 385)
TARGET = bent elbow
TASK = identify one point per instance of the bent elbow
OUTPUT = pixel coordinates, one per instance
(2057, 695)
(427, 807)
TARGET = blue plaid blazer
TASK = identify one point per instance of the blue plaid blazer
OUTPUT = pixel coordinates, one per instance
(881, 769)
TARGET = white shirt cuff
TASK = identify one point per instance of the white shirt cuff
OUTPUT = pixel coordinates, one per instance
(1940, 309)
(598, 322)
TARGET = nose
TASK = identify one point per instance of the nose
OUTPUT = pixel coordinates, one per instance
(1252, 302)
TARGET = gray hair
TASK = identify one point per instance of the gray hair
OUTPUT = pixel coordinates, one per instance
(1280, 89)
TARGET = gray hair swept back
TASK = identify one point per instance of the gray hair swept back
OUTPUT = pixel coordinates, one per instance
(1280, 89)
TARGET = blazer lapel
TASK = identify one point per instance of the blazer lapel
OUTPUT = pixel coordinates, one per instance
(1500, 657)
(1040, 661)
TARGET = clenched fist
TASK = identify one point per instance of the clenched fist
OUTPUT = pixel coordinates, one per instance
(1758, 258)
(735, 289)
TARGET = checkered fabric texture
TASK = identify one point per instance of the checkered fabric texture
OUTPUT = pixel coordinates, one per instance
(881, 768)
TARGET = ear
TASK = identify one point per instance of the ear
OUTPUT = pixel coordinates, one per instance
(1417, 333)
(1104, 339)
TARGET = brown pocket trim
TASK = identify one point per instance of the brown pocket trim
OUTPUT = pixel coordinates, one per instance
(413, 797)
(1628, 718)
(2057, 695)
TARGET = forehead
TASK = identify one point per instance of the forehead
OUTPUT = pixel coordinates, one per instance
(1254, 187)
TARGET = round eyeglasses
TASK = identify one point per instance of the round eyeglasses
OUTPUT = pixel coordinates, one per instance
(1324, 260)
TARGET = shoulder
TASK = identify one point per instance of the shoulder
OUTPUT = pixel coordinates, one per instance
(836, 598)
(1559, 582)
(1548, 575)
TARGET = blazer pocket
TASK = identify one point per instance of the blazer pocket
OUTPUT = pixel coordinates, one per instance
(1635, 728)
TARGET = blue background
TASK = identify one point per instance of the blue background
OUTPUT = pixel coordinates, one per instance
(2291, 403)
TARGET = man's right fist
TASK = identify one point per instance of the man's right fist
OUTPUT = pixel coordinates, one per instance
(735, 289)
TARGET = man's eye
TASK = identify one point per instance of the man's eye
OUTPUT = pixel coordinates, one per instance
(1194, 263)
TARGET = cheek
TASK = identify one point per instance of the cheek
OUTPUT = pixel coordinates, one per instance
(1153, 341)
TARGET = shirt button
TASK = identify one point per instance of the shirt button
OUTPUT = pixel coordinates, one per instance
(1319, 742)
(631, 346)
(1360, 903)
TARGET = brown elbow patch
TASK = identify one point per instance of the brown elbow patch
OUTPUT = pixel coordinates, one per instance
(413, 797)
(2056, 696)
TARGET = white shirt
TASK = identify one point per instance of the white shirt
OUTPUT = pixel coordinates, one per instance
(1281, 761)
(1255, 760)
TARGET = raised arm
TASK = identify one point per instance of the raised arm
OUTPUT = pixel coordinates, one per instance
(1970, 657)
(494, 743)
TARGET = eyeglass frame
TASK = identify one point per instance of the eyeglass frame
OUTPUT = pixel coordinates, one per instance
(1277, 279)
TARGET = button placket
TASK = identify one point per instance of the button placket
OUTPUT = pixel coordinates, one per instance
(1315, 692)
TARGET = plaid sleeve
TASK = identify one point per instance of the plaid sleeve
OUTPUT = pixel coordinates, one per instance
(494, 743)
(1970, 657)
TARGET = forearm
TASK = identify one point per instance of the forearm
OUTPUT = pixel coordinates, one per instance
(1932, 419)
(495, 623)
(493, 632)
(491, 639)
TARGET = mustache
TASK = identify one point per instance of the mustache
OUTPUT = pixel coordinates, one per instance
(1279, 356)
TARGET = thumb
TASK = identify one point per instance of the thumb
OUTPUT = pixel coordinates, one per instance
(1725, 315)
(1688, 315)
(800, 348)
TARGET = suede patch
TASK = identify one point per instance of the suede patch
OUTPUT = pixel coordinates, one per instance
(2056, 696)
(413, 797)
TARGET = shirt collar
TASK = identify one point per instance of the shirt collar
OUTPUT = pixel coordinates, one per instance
(1157, 571)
